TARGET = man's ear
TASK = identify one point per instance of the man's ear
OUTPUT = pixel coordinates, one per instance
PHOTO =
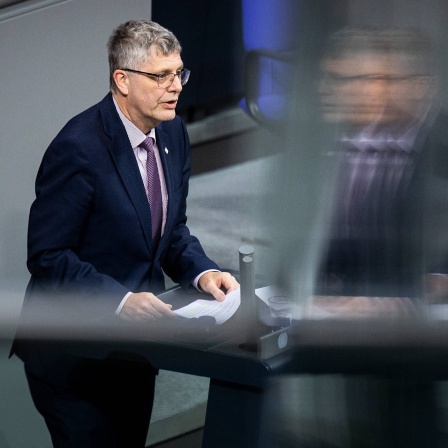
(121, 81)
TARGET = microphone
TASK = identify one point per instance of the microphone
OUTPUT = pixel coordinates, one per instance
(248, 298)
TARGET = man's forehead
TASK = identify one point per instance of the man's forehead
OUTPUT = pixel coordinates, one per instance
(156, 59)
(358, 62)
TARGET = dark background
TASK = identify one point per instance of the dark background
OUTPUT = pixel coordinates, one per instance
(210, 32)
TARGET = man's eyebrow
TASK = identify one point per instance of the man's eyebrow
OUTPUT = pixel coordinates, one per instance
(167, 70)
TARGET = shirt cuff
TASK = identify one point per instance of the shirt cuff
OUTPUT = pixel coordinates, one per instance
(196, 280)
(118, 310)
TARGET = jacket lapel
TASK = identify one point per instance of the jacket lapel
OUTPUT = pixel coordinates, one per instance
(124, 159)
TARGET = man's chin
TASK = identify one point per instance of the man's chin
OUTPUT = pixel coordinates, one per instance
(167, 115)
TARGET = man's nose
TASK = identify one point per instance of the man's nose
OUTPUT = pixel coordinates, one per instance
(176, 84)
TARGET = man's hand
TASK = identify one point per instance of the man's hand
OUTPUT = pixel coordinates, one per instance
(145, 306)
(212, 282)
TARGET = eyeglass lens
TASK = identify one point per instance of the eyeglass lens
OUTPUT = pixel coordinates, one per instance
(169, 79)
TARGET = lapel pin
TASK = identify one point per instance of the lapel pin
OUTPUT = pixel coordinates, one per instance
(166, 150)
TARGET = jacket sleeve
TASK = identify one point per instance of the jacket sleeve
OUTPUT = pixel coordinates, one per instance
(184, 258)
(58, 216)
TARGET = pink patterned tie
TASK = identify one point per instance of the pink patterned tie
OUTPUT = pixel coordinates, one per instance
(154, 190)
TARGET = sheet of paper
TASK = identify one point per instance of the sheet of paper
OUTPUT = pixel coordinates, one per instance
(221, 311)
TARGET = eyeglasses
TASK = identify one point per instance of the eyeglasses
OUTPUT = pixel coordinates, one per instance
(336, 79)
(165, 80)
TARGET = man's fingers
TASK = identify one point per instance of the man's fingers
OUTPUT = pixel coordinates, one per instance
(145, 307)
(217, 293)
(213, 282)
(230, 283)
(151, 311)
(162, 308)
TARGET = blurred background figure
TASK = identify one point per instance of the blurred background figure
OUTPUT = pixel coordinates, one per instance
(375, 236)
(357, 202)
(418, 126)
(388, 207)
(353, 92)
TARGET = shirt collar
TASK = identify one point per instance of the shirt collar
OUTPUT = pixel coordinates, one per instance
(369, 137)
(135, 135)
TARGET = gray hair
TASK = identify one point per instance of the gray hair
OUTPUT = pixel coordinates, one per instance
(130, 45)
(412, 48)
(350, 41)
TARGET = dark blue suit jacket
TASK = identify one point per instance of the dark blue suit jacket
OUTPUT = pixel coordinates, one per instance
(89, 233)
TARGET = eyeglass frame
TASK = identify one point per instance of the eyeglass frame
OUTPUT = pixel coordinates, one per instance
(160, 75)
(337, 79)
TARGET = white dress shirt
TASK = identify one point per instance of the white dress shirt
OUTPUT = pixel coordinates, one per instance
(136, 137)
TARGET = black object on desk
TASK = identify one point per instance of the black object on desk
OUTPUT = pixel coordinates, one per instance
(238, 377)
(248, 305)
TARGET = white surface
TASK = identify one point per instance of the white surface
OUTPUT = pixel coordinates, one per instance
(221, 311)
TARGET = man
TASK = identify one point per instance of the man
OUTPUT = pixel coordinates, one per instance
(386, 172)
(389, 217)
(109, 217)
(379, 90)
(353, 93)
(418, 124)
